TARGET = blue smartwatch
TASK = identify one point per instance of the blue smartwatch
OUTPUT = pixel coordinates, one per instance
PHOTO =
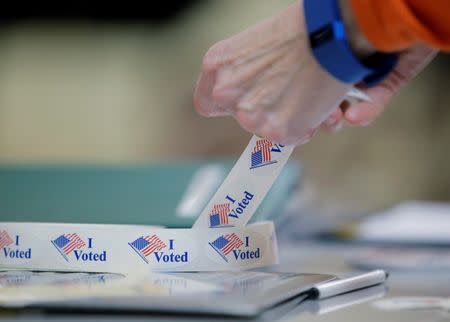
(330, 47)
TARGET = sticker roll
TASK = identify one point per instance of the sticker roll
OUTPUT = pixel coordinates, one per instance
(127, 248)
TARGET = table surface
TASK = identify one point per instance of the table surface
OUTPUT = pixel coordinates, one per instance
(318, 258)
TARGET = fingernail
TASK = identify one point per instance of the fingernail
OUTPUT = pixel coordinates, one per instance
(359, 95)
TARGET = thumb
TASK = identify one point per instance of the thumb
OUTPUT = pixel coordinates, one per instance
(410, 63)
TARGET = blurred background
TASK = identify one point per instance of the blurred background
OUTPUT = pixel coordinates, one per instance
(94, 102)
(116, 89)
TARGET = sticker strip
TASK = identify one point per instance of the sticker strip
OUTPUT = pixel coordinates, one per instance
(122, 249)
(246, 185)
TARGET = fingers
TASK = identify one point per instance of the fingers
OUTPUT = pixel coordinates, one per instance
(410, 63)
(308, 101)
(231, 67)
(334, 122)
(266, 78)
(203, 101)
(364, 113)
(250, 120)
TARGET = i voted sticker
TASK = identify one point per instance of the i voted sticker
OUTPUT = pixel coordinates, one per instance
(155, 250)
(234, 206)
(72, 247)
(13, 247)
(232, 249)
(246, 185)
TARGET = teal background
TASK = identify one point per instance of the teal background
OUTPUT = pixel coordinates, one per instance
(145, 194)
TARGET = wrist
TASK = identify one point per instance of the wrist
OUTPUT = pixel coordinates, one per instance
(358, 42)
(329, 43)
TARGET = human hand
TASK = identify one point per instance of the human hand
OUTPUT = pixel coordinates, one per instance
(267, 79)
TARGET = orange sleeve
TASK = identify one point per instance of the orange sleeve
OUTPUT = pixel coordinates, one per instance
(391, 25)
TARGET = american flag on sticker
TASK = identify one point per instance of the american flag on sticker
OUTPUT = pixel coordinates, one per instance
(261, 154)
(219, 215)
(5, 239)
(146, 245)
(226, 244)
(67, 243)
